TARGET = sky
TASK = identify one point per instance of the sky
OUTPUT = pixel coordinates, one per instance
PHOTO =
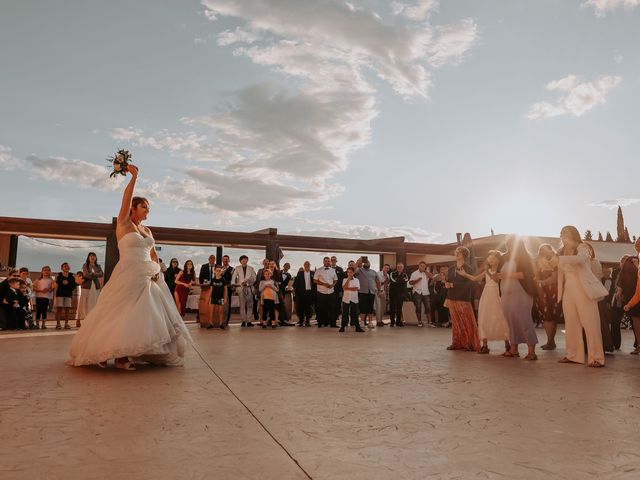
(365, 119)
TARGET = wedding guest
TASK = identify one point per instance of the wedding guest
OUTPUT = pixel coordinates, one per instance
(44, 288)
(90, 287)
(369, 286)
(25, 314)
(459, 301)
(11, 303)
(219, 299)
(603, 310)
(397, 292)
(350, 298)
(66, 284)
(325, 279)
(24, 275)
(170, 275)
(305, 291)
(163, 267)
(492, 324)
(606, 310)
(546, 301)
(419, 280)
(227, 274)
(628, 284)
(285, 293)
(579, 290)
(338, 288)
(207, 271)
(268, 298)
(439, 298)
(184, 281)
(617, 304)
(518, 288)
(242, 280)
(257, 306)
(382, 294)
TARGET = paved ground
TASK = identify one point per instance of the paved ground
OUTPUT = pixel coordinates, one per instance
(388, 404)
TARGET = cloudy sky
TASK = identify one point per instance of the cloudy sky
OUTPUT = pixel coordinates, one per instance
(363, 118)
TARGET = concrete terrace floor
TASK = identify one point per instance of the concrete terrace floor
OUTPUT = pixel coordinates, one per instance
(387, 404)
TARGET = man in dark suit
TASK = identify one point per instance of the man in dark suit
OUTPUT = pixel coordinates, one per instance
(227, 273)
(207, 271)
(305, 291)
(338, 288)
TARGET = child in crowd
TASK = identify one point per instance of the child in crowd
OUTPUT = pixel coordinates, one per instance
(24, 275)
(218, 299)
(350, 287)
(66, 284)
(268, 299)
(11, 304)
(44, 288)
(492, 324)
(26, 313)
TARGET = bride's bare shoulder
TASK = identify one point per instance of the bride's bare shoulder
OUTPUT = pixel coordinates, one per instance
(123, 228)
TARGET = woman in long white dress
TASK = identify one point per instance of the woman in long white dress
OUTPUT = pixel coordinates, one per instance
(492, 324)
(135, 318)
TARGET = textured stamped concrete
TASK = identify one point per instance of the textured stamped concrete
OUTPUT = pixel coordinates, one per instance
(386, 404)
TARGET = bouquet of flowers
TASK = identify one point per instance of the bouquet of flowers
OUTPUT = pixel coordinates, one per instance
(120, 162)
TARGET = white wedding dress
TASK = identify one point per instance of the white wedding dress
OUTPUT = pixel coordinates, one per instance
(135, 316)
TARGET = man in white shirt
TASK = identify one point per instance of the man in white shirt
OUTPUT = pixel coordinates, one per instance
(325, 279)
(419, 280)
(242, 279)
(382, 294)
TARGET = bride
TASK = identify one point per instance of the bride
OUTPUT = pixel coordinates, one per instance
(135, 318)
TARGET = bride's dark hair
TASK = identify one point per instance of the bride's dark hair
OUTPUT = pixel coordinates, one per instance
(135, 201)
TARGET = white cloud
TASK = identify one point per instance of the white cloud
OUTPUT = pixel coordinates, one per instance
(579, 96)
(7, 160)
(238, 35)
(209, 191)
(417, 11)
(615, 203)
(452, 42)
(286, 139)
(76, 172)
(335, 228)
(602, 7)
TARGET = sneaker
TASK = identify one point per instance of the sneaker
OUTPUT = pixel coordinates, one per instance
(370, 325)
(420, 324)
(432, 325)
(380, 324)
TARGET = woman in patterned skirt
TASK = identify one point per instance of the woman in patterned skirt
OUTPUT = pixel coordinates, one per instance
(546, 301)
(464, 329)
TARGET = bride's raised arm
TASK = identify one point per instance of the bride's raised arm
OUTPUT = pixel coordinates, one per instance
(127, 196)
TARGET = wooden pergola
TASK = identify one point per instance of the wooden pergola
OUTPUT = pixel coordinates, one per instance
(394, 249)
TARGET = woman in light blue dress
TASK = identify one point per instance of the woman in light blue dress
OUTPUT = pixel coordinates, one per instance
(518, 289)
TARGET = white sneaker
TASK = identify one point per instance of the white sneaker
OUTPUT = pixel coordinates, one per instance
(420, 324)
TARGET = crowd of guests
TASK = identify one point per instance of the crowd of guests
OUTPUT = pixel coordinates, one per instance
(26, 303)
(504, 300)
